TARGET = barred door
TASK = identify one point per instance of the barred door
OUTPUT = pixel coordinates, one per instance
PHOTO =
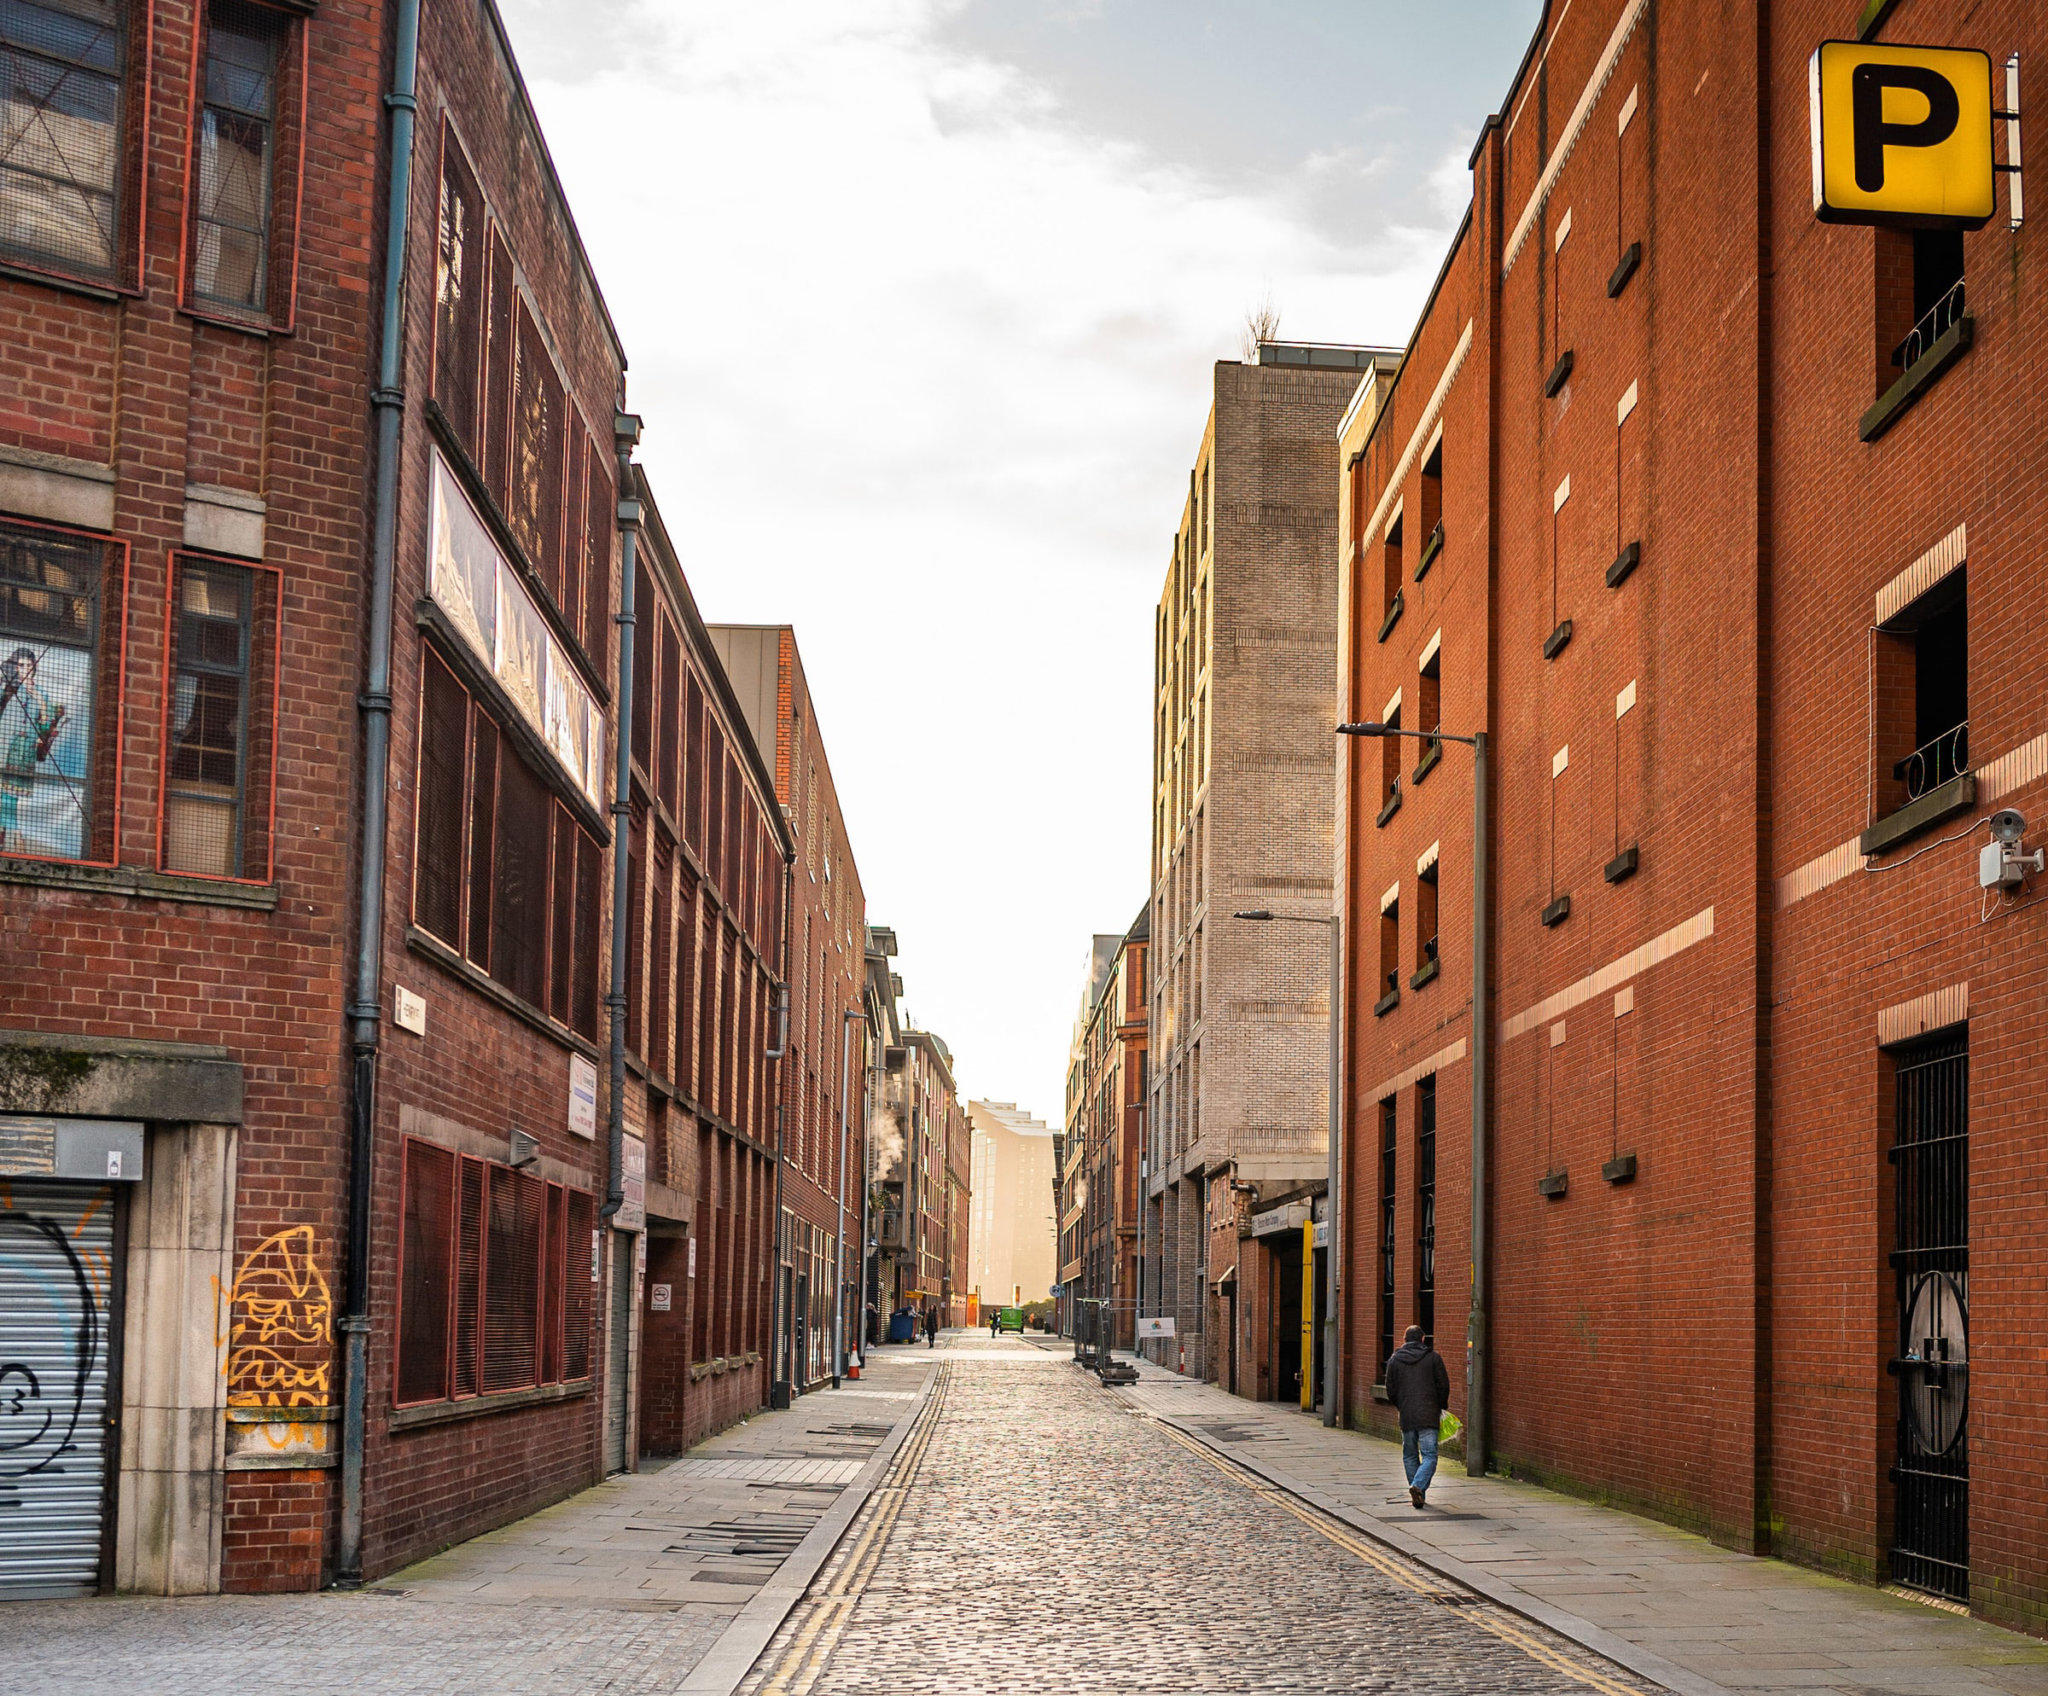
(1931, 1477)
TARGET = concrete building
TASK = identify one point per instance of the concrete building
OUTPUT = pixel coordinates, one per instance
(1711, 514)
(1012, 1241)
(1103, 1145)
(1243, 760)
(830, 1047)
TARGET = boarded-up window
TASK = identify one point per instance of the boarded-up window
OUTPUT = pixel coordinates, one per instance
(497, 425)
(536, 504)
(519, 904)
(459, 293)
(494, 1281)
(444, 752)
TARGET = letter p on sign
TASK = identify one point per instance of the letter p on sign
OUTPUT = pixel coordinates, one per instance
(1901, 135)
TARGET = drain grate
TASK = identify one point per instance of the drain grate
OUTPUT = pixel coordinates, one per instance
(875, 1432)
(759, 1535)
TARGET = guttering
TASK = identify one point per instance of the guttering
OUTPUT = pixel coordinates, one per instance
(366, 1003)
(626, 436)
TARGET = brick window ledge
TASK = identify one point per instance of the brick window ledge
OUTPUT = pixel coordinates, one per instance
(1919, 377)
(1943, 801)
(498, 1401)
(139, 882)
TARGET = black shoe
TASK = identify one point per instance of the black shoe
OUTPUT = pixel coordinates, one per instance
(1415, 1495)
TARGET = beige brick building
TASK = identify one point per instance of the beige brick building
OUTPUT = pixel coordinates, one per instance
(1245, 696)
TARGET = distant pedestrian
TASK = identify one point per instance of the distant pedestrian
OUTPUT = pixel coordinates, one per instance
(1420, 1388)
(931, 1327)
(995, 1320)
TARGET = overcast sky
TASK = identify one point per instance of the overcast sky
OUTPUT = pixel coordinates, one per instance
(921, 299)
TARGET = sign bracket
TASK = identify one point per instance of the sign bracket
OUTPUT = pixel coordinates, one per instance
(2010, 116)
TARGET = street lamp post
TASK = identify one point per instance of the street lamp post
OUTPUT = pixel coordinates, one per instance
(1477, 1426)
(1332, 1283)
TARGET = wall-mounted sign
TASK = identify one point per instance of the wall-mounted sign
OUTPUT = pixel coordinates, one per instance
(658, 1298)
(1162, 1327)
(1278, 1219)
(582, 1098)
(475, 585)
(410, 1011)
(632, 1213)
(1901, 135)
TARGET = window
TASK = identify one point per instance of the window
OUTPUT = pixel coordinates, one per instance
(220, 732)
(70, 152)
(503, 873)
(1388, 1149)
(460, 288)
(1389, 990)
(1920, 296)
(494, 1280)
(1390, 765)
(1922, 679)
(1429, 712)
(1390, 565)
(1430, 516)
(62, 595)
(245, 188)
(1425, 1206)
(1426, 962)
(535, 512)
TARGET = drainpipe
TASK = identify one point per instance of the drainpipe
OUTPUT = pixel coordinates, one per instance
(782, 1351)
(626, 436)
(839, 1261)
(365, 1006)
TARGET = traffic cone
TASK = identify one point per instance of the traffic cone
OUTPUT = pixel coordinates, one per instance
(853, 1367)
(1183, 1359)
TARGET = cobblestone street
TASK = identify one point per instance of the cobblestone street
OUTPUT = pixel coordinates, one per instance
(1041, 1534)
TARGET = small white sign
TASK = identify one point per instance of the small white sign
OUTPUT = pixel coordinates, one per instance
(693, 1257)
(113, 1162)
(582, 1098)
(658, 1298)
(597, 1257)
(1160, 1327)
(411, 1011)
(632, 1214)
(640, 1255)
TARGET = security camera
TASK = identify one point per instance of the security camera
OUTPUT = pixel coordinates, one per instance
(2002, 864)
(2008, 825)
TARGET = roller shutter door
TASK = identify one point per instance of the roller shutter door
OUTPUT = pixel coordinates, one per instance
(56, 1319)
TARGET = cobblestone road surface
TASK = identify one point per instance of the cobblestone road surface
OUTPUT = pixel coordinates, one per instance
(1041, 1534)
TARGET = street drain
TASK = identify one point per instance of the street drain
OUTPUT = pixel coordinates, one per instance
(876, 1432)
(758, 1535)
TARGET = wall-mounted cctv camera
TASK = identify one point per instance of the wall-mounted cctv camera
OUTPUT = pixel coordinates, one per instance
(2001, 864)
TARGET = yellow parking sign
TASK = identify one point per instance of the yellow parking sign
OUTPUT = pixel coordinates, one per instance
(1901, 135)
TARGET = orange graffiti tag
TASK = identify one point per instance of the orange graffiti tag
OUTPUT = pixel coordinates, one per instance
(280, 1337)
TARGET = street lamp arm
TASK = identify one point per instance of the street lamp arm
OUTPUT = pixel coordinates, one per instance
(1370, 728)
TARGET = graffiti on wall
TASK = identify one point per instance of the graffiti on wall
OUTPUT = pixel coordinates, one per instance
(280, 1325)
(55, 1291)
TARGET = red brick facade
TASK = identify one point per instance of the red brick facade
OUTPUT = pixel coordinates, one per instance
(1694, 540)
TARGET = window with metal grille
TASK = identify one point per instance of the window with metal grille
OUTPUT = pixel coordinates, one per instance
(712, 838)
(62, 594)
(661, 935)
(693, 769)
(69, 163)
(686, 974)
(668, 725)
(221, 720)
(499, 317)
(537, 451)
(503, 872)
(601, 522)
(493, 1292)
(1930, 1158)
(460, 289)
(235, 155)
(1425, 1206)
(1388, 1151)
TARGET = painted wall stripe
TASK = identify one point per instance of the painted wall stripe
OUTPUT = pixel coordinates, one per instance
(1930, 568)
(1564, 493)
(1575, 126)
(1628, 110)
(1936, 1010)
(1627, 404)
(1658, 949)
(1421, 1069)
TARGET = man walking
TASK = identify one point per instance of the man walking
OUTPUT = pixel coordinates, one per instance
(1420, 1388)
(931, 1328)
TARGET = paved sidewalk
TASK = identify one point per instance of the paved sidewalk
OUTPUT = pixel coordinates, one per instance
(1664, 1603)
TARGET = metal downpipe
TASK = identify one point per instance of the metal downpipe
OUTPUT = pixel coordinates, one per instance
(365, 1006)
(626, 435)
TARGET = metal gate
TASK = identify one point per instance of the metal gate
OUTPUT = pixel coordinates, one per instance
(57, 1323)
(618, 1351)
(1931, 1477)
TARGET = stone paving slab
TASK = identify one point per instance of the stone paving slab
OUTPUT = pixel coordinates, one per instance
(1670, 1605)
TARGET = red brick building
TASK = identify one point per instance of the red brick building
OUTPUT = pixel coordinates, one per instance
(830, 1046)
(1710, 514)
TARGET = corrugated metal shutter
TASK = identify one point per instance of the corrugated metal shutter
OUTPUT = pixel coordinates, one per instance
(618, 1360)
(56, 1319)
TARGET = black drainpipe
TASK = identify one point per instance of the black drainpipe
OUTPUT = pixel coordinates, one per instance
(781, 1364)
(626, 434)
(365, 1008)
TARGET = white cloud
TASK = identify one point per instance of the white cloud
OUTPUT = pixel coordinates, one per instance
(923, 366)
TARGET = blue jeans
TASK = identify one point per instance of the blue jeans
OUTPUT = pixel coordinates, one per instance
(1418, 1458)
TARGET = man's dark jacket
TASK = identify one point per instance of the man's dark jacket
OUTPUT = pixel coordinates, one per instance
(1418, 1385)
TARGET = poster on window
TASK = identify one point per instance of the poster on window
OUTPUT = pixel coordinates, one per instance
(46, 697)
(463, 565)
(521, 661)
(572, 726)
